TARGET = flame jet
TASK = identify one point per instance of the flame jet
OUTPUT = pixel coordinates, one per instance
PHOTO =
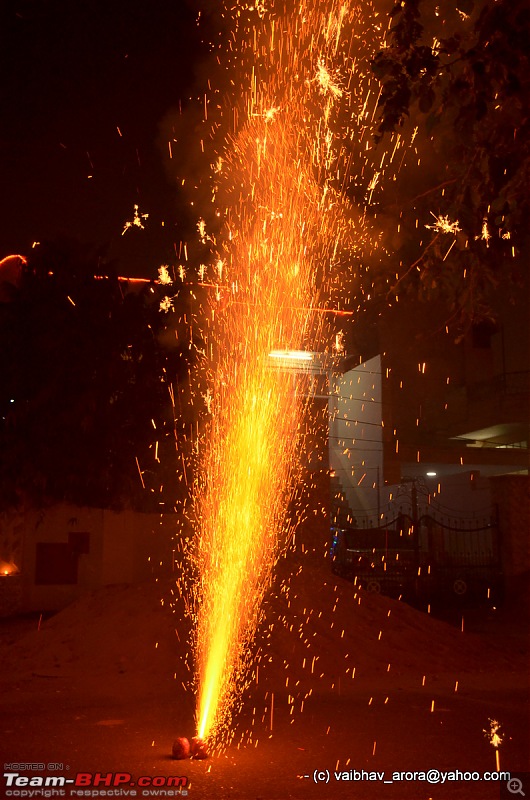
(249, 457)
(287, 226)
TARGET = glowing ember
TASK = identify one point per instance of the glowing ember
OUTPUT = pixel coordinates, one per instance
(8, 568)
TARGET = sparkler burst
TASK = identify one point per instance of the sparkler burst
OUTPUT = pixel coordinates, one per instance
(294, 134)
(137, 220)
(492, 734)
(444, 225)
(163, 276)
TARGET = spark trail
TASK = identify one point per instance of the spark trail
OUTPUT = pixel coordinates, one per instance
(301, 117)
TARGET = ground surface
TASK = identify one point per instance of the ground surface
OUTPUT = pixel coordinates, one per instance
(384, 688)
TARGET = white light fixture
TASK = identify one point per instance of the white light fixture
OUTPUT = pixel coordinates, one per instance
(291, 355)
(431, 474)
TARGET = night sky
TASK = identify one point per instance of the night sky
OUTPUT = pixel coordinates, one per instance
(73, 76)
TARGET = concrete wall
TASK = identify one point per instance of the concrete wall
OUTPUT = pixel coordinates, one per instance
(54, 525)
(107, 548)
(511, 494)
(355, 436)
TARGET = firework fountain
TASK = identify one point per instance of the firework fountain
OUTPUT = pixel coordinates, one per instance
(304, 111)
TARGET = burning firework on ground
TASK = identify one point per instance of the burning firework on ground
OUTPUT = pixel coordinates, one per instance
(297, 130)
(495, 738)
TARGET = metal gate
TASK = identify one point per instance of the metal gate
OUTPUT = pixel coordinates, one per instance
(428, 558)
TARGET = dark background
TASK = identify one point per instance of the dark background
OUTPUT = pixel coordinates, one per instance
(73, 76)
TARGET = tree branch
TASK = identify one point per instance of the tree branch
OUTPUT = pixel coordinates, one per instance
(412, 266)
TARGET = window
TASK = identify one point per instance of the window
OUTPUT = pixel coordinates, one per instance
(56, 563)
